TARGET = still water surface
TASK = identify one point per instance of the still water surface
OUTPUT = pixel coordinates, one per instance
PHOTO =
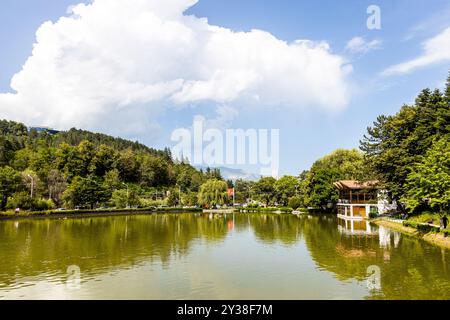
(197, 256)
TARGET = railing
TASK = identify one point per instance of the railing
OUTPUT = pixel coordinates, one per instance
(372, 202)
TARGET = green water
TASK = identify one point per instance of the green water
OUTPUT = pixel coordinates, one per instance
(201, 256)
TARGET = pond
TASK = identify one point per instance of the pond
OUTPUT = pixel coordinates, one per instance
(203, 256)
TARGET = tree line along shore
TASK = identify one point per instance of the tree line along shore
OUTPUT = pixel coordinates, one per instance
(47, 170)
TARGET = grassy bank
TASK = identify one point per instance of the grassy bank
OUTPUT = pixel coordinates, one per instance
(431, 237)
(78, 213)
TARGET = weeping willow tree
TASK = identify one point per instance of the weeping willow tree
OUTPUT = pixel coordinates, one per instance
(213, 192)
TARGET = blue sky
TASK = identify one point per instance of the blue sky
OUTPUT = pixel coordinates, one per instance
(311, 132)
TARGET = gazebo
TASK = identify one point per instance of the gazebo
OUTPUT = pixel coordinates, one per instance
(357, 199)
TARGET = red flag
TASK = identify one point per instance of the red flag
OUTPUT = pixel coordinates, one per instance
(231, 192)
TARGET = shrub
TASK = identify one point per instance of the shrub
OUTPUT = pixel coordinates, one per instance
(22, 200)
(43, 205)
(410, 224)
(295, 203)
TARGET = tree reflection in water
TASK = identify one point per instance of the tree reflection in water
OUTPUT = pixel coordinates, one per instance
(410, 268)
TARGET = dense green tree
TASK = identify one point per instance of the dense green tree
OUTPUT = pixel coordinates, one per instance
(317, 185)
(295, 202)
(213, 192)
(154, 172)
(285, 188)
(396, 143)
(86, 192)
(429, 180)
(128, 166)
(125, 198)
(213, 174)
(112, 180)
(173, 200)
(245, 190)
(10, 181)
(57, 184)
(265, 190)
(68, 161)
(104, 160)
(190, 199)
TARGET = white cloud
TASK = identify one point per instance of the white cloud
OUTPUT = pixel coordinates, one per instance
(118, 63)
(360, 46)
(435, 50)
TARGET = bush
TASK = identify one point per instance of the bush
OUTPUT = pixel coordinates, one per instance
(295, 203)
(43, 205)
(22, 200)
(410, 224)
(426, 217)
(121, 198)
(147, 203)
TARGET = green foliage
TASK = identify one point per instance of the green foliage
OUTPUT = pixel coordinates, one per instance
(154, 172)
(265, 190)
(10, 181)
(173, 200)
(429, 180)
(125, 199)
(373, 214)
(86, 193)
(78, 168)
(426, 217)
(22, 200)
(57, 184)
(411, 224)
(286, 188)
(189, 199)
(421, 227)
(318, 184)
(295, 202)
(245, 190)
(213, 192)
(396, 145)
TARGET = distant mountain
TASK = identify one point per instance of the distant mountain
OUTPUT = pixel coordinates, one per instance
(235, 174)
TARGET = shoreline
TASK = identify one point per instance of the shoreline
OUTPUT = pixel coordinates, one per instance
(432, 238)
(93, 213)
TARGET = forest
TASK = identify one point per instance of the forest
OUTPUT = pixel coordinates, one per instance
(42, 170)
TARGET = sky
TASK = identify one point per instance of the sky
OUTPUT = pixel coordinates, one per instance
(141, 69)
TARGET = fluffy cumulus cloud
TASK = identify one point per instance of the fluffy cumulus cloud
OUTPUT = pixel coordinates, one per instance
(117, 62)
(435, 50)
(359, 45)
